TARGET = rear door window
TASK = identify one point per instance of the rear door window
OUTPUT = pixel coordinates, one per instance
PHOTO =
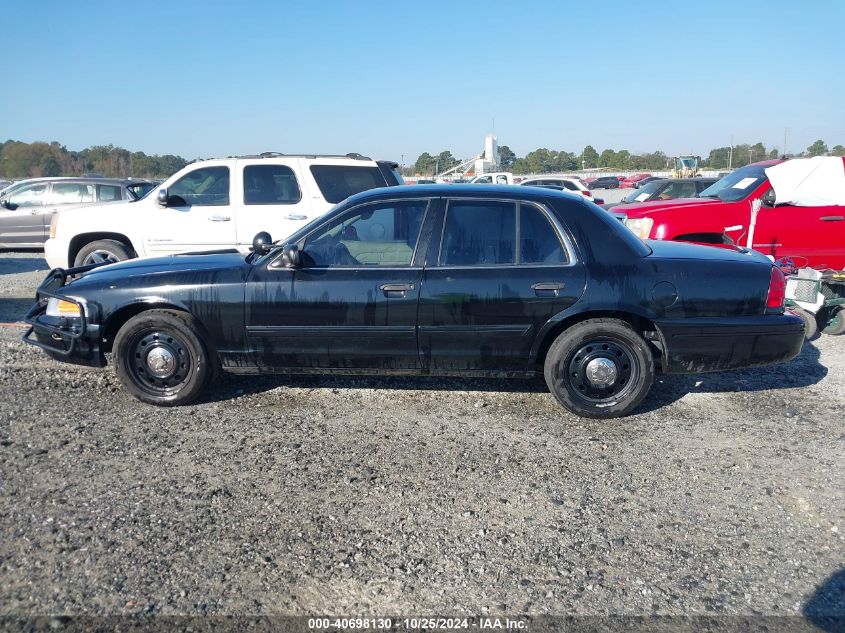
(338, 182)
(270, 184)
(71, 193)
(479, 233)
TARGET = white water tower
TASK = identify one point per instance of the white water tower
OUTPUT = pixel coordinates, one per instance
(491, 150)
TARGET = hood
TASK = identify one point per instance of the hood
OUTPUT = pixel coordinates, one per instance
(685, 250)
(640, 209)
(210, 262)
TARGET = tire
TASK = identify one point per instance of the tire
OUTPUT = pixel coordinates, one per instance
(567, 368)
(103, 250)
(177, 336)
(836, 323)
(811, 325)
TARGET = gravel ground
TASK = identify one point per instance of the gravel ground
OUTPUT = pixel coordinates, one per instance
(722, 495)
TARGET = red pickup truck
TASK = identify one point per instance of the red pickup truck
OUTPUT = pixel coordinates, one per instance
(721, 215)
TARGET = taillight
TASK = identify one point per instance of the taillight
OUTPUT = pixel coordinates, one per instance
(589, 194)
(777, 290)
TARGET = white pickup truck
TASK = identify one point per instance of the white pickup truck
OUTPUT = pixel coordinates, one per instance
(214, 204)
(493, 178)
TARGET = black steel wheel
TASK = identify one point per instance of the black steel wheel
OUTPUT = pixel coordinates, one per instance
(161, 358)
(600, 368)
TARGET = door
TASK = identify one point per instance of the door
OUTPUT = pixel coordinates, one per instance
(62, 194)
(22, 216)
(502, 271)
(199, 214)
(352, 302)
(273, 201)
(810, 236)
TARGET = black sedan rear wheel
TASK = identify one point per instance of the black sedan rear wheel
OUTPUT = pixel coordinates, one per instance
(599, 368)
(160, 357)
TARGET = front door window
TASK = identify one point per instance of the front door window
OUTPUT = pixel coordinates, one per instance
(208, 186)
(383, 234)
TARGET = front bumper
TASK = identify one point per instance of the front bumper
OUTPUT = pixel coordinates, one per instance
(73, 340)
(716, 344)
(55, 252)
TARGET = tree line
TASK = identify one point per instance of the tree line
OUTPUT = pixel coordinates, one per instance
(32, 160)
(543, 160)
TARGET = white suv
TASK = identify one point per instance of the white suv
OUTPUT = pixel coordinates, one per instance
(215, 204)
(573, 185)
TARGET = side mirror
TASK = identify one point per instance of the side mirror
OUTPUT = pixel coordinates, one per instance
(162, 197)
(6, 204)
(262, 243)
(769, 198)
(291, 257)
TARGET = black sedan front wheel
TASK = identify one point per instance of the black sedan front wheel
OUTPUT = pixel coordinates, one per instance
(161, 358)
(599, 368)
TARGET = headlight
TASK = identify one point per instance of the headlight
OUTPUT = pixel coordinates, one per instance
(641, 227)
(54, 222)
(62, 308)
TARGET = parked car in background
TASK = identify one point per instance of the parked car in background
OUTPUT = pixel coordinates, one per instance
(604, 182)
(437, 280)
(493, 178)
(569, 184)
(666, 189)
(645, 181)
(632, 181)
(721, 215)
(425, 181)
(28, 206)
(215, 204)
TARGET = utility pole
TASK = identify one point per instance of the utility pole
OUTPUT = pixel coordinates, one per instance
(784, 140)
(731, 153)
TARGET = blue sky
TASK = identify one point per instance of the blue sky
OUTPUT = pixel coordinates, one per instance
(213, 78)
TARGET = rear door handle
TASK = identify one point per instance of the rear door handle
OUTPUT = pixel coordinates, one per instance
(832, 218)
(544, 289)
(296, 216)
(395, 289)
(219, 218)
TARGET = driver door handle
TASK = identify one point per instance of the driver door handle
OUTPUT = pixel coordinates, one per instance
(832, 218)
(296, 216)
(395, 289)
(219, 218)
(544, 289)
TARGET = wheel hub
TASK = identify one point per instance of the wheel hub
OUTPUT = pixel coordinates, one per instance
(161, 362)
(601, 372)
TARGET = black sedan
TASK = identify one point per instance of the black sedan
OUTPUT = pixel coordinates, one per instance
(443, 280)
(666, 189)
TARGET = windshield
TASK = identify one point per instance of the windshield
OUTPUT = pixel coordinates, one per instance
(737, 185)
(646, 192)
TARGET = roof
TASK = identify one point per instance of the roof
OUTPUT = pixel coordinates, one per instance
(439, 190)
(84, 179)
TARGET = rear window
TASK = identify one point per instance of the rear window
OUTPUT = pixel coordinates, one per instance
(338, 182)
(108, 193)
